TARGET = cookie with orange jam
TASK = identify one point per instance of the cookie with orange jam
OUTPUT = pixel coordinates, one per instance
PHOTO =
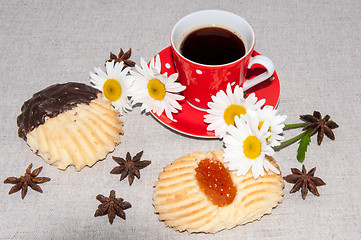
(197, 193)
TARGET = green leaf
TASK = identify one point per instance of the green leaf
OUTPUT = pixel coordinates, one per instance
(302, 148)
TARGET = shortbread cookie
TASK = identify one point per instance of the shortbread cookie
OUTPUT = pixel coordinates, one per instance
(197, 193)
(70, 124)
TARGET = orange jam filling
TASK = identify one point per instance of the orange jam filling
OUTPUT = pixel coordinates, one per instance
(215, 181)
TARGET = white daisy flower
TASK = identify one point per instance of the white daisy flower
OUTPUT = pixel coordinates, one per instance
(246, 147)
(267, 113)
(156, 92)
(115, 85)
(225, 106)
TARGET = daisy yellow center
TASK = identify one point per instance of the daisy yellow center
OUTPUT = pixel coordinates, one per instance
(112, 89)
(252, 147)
(260, 124)
(156, 89)
(232, 111)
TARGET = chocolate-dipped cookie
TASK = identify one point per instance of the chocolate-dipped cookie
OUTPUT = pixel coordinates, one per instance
(69, 124)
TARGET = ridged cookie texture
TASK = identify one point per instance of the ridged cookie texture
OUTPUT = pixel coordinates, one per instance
(78, 137)
(182, 205)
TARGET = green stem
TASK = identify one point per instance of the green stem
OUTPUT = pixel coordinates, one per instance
(294, 139)
(295, 125)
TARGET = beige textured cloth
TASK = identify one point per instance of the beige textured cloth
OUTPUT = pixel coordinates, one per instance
(315, 46)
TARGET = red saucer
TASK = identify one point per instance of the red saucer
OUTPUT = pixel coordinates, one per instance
(190, 121)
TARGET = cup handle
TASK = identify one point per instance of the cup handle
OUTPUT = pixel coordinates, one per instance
(266, 63)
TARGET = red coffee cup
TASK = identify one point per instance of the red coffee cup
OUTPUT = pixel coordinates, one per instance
(204, 80)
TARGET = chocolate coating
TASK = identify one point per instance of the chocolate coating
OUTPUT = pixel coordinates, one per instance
(52, 101)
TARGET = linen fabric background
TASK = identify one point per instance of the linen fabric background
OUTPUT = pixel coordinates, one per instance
(315, 46)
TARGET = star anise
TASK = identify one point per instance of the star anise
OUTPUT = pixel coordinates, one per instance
(129, 167)
(320, 125)
(304, 181)
(122, 57)
(29, 179)
(111, 206)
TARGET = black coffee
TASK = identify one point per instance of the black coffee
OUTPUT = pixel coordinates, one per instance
(212, 46)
